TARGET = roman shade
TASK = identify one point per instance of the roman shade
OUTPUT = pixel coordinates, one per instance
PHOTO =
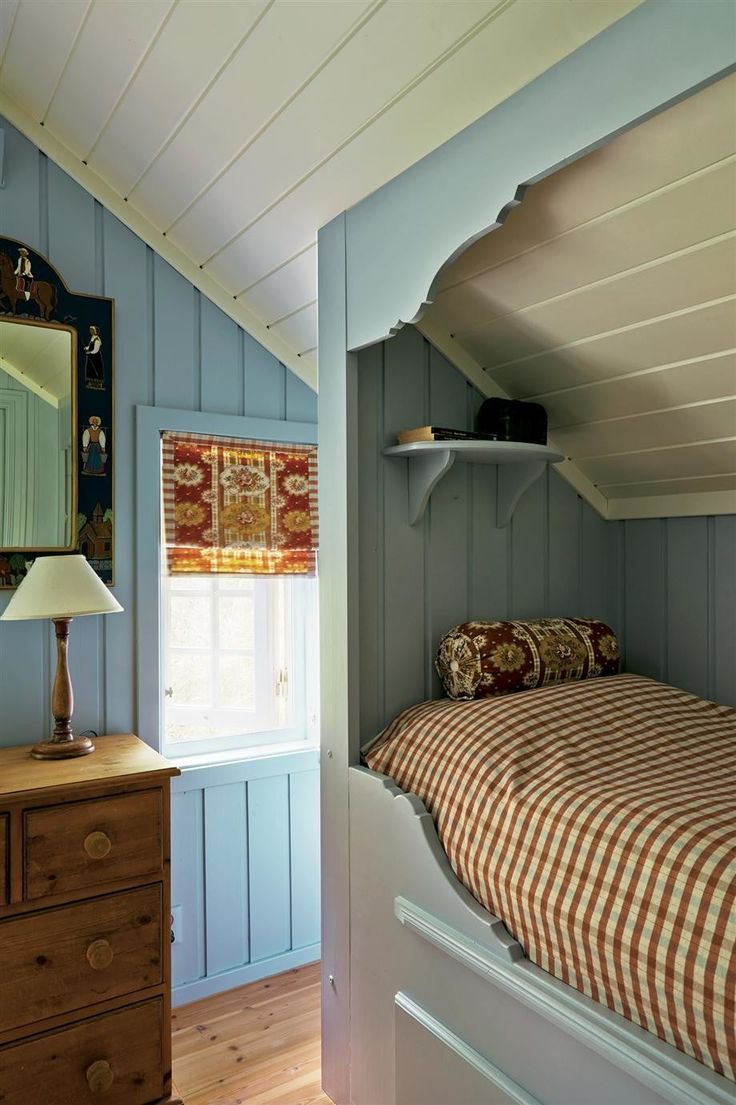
(232, 505)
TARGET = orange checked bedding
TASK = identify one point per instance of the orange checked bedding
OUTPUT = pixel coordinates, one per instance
(598, 820)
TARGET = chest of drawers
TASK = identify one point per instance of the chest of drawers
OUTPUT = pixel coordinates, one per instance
(84, 927)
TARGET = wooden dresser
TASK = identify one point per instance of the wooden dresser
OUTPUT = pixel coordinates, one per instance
(85, 927)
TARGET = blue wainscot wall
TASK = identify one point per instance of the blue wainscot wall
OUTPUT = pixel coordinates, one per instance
(245, 836)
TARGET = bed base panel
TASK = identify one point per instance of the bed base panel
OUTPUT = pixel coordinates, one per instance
(423, 950)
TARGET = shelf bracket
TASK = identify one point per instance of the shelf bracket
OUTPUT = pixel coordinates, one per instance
(425, 472)
(513, 480)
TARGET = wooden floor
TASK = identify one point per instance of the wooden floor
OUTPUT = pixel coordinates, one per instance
(257, 1045)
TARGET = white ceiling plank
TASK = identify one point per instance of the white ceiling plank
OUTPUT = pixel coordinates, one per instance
(287, 48)
(700, 422)
(654, 389)
(295, 283)
(695, 210)
(698, 331)
(96, 74)
(165, 88)
(8, 14)
(43, 36)
(647, 158)
(697, 485)
(696, 459)
(488, 69)
(390, 51)
(300, 330)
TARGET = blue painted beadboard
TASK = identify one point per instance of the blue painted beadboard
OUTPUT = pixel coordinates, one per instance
(668, 588)
(173, 348)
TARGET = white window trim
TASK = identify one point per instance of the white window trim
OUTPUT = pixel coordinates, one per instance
(151, 422)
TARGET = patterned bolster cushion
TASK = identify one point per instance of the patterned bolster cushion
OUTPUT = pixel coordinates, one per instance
(478, 659)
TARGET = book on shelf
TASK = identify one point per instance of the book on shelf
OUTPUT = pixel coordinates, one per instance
(440, 433)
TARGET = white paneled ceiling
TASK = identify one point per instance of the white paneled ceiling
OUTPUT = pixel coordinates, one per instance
(226, 132)
(609, 296)
(39, 358)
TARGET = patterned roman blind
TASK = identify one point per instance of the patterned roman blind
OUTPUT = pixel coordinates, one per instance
(239, 506)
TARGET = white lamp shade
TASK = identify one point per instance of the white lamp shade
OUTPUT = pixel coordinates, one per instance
(60, 587)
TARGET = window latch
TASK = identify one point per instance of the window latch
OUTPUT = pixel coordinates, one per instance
(169, 692)
(282, 683)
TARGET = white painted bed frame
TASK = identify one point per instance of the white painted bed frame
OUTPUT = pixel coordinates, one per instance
(438, 1004)
(445, 1008)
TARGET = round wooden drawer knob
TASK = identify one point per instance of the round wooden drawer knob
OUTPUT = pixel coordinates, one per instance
(99, 955)
(100, 1076)
(97, 845)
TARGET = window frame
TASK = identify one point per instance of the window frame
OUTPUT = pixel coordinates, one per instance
(151, 422)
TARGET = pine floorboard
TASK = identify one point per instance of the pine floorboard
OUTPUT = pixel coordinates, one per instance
(256, 1045)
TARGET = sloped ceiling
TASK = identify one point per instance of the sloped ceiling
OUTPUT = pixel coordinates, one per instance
(609, 296)
(38, 357)
(226, 132)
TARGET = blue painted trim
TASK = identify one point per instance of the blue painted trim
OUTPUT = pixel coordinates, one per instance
(206, 987)
(240, 771)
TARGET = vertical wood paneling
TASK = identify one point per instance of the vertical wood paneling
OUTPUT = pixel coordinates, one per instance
(405, 404)
(304, 837)
(687, 603)
(529, 553)
(187, 884)
(371, 546)
(20, 206)
(269, 867)
(175, 354)
(301, 401)
(226, 882)
(723, 608)
(221, 370)
(565, 548)
(265, 382)
(645, 582)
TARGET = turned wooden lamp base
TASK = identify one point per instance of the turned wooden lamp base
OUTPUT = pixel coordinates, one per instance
(63, 745)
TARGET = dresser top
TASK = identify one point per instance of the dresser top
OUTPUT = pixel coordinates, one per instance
(121, 758)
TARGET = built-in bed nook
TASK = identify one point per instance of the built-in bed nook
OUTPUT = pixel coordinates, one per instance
(528, 710)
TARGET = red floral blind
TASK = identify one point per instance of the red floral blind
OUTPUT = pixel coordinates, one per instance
(239, 506)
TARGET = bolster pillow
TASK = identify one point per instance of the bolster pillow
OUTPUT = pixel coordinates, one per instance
(478, 659)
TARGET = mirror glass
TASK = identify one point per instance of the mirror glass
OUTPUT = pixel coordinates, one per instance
(37, 506)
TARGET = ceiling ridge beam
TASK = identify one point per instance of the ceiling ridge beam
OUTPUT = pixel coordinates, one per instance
(634, 374)
(330, 56)
(404, 91)
(131, 79)
(487, 386)
(139, 224)
(595, 220)
(661, 448)
(628, 328)
(605, 281)
(187, 114)
(647, 413)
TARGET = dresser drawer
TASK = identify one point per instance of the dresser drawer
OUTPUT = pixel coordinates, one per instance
(64, 959)
(116, 1059)
(4, 865)
(81, 845)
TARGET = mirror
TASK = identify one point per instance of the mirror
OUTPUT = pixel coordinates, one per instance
(37, 432)
(57, 427)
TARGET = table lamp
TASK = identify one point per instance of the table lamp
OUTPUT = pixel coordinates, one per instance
(61, 588)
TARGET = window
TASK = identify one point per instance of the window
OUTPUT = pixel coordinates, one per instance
(239, 600)
(238, 661)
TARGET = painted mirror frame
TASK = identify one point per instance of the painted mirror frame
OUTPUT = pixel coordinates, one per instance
(33, 291)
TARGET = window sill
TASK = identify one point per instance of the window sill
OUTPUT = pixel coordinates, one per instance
(239, 756)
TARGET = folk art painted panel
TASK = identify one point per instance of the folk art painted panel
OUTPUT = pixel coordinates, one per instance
(33, 292)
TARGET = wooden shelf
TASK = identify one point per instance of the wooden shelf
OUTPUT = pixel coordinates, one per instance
(520, 464)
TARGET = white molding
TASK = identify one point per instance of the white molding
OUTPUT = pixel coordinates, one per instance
(511, 1089)
(651, 1061)
(155, 238)
(690, 505)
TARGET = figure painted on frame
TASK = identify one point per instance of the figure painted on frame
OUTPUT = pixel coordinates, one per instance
(94, 456)
(94, 369)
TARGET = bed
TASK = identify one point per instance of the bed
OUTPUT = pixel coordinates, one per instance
(575, 846)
